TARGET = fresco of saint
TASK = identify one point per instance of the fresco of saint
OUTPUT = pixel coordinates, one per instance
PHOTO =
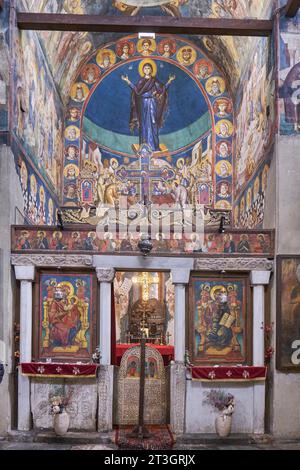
(148, 104)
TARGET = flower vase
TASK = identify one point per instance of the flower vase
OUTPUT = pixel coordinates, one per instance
(61, 423)
(223, 425)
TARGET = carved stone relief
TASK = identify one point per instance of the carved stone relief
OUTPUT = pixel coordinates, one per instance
(128, 388)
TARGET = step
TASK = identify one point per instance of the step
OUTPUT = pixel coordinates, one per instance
(214, 439)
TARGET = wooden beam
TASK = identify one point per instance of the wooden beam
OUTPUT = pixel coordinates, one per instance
(292, 8)
(136, 24)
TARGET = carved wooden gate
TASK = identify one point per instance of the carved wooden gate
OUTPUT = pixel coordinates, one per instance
(128, 385)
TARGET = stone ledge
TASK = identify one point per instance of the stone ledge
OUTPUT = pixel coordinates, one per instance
(213, 439)
(72, 438)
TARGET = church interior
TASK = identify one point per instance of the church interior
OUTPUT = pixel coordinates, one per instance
(149, 249)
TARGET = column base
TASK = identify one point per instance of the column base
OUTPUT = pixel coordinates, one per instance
(24, 413)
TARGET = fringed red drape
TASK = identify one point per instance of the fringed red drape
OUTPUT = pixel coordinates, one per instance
(113, 327)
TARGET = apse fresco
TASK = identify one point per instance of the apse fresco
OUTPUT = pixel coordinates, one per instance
(255, 114)
(195, 139)
(37, 109)
(289, 84)
(147, 120)
(4, 71)
(40, 206)
(206, 8)
(249, 207)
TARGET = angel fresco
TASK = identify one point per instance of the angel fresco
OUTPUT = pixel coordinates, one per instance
(148, 104)
(133, 7)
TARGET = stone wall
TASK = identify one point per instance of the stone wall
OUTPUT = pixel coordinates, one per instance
(11, 201)
(82, 406)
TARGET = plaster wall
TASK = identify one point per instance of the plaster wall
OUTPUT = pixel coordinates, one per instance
(285, 392)
(200, 418)
(288, 214)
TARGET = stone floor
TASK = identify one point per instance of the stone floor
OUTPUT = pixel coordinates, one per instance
(275, 445)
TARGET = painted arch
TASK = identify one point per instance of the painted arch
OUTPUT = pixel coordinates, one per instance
(196, 138)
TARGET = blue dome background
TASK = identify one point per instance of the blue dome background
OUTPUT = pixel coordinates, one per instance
(107, 115)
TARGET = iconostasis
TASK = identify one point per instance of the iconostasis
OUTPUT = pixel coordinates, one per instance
(144, 305)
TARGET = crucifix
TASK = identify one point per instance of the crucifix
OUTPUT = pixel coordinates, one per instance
(145, 174)
(146, 280)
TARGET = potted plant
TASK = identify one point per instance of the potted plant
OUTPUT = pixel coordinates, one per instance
(61, 417)
(224, 403)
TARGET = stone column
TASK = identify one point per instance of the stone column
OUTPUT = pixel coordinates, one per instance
(25, 274)
(106, 374)
(177, 397)
(105, 278)
(180, 278)
(259, 279)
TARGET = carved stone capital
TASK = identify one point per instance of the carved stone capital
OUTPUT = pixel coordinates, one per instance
(233, 264)
(76, 261)
(25, 273)
(105, 274)
(260, 278)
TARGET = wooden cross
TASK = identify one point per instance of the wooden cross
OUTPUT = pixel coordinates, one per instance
(140, 431)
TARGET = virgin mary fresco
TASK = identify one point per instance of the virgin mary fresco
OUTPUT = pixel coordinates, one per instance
(148, 104)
